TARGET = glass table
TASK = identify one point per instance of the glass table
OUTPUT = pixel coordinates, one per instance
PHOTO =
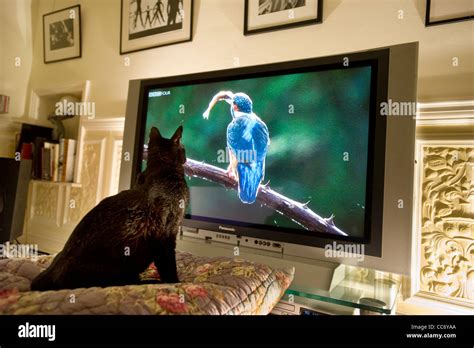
(370, 291)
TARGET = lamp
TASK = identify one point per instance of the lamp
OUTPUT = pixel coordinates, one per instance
(64, 109)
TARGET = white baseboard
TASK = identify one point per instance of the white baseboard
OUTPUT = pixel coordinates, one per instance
(417, 305)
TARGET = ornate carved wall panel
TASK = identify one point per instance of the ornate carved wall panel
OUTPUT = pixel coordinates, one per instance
(442, 271)
(84, 198)
(446, 266)
(45, 201)
(117, 160)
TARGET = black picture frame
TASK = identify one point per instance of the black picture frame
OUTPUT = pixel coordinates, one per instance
(79, 35)
(317, 20)
(125, 51)
(429, 22)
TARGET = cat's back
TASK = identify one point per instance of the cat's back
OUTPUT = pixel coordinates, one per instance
(109, 217)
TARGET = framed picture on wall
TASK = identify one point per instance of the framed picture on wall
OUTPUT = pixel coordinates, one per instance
(448, 11)
(148, 24)
(62, 34)
(268, 15)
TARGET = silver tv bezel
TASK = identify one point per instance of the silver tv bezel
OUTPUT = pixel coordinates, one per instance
(395, 250)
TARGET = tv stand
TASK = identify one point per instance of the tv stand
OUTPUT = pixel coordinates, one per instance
(319, 286)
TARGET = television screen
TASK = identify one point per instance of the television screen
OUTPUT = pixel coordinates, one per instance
(285, 151)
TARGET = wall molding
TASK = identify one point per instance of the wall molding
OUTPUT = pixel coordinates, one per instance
(105, 123)
(456, 113)
(428, 306)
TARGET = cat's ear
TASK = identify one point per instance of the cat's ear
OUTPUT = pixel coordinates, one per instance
(154, 134)
(177, 135)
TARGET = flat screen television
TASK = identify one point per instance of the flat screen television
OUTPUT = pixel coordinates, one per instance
(292, 152)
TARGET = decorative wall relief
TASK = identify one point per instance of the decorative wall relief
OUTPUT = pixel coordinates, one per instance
(447, 223)
(45, 201)
(117, 161)
(85, 197)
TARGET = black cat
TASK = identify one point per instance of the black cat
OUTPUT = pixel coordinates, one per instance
(123, 234)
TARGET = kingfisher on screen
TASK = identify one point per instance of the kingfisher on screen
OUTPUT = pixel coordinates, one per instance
(247, 140)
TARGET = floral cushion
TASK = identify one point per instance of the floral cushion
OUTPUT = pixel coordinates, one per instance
(218, 285)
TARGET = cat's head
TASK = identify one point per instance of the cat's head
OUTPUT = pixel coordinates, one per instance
(166, 152)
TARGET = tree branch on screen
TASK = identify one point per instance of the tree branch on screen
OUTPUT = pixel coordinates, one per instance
(298, 212)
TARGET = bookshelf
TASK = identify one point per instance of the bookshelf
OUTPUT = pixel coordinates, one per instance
(54, 208)
(43, 102)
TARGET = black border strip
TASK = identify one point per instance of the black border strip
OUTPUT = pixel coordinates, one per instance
(287, 330)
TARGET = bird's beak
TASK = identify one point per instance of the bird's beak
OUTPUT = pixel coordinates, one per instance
(229, 100)
(228, 96)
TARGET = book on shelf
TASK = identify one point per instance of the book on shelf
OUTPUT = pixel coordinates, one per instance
(38, 156)
(46, 161)
(62, 148)
(57, 161)
(69, 159)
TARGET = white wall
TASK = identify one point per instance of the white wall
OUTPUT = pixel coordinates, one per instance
(348, 25)
(15, 41)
